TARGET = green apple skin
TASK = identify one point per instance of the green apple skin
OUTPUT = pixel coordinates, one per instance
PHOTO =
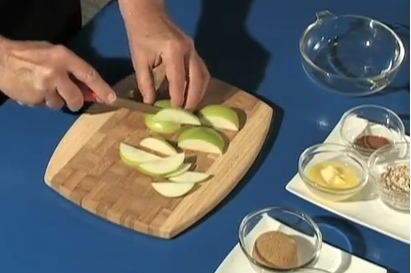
(162, 127)
(132, 156)
(182, 169)
(202, 139)
(220, 117)
(171, 189)
(142, 167)
(163, 103)
(176, 115)
(159, 145)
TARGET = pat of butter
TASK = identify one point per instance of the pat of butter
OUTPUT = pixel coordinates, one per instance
(328, 173)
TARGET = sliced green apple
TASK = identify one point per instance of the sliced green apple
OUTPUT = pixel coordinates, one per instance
(171, 189)
(202, 139)
(190, 177)
(177, 115)
(182, 169)
(159, 145)
(162, 127)
(220, 117)
(131, 155)
(162, 166)
(163, 103)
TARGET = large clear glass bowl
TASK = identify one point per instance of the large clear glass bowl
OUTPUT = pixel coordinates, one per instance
(350, 55)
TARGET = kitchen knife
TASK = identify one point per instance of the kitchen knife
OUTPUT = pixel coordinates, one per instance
(90, 96)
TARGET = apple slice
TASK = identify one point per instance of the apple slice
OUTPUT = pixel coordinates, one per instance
(162, 166)
(220, 117)
(177, 115)
(132, 156)
(163, 103)
(182, 169)
(162, 127)
(190, 177)
(158, 145)
(171, 189)
(202, 139)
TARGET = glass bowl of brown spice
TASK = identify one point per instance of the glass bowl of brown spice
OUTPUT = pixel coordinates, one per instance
(277, 239)
(369, 127)
(389, 168)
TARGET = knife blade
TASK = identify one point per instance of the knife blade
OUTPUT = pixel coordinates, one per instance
(90, 96)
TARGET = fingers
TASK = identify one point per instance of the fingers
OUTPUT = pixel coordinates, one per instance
(54, 100)
(176, 76)
(70, 93)
(146, 82)
(89, 76)
(197, 81)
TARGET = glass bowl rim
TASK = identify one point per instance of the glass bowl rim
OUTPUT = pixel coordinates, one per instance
(302, 216)
(398, 62)
(327, 190)
(350, 112)
(371, 162)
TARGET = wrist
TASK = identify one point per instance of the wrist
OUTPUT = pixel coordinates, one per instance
(139, 12)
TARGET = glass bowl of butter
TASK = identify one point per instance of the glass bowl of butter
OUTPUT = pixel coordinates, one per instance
(333, 172)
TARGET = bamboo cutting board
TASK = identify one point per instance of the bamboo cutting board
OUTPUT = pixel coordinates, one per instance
(86, 168)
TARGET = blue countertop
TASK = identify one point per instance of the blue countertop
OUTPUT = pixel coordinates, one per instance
(251, 44)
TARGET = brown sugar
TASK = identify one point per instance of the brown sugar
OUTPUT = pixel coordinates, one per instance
(276, 249)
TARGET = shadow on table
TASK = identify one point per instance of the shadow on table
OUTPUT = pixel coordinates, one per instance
(223, 41)
(235, 57)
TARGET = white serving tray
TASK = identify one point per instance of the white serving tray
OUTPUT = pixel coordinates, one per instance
(331, 259)
(367, 212)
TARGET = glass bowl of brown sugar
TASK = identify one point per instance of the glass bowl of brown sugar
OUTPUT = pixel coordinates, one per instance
(367, 128)
(389, 169)
(278, 239)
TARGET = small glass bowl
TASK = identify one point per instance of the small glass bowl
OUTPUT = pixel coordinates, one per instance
(337, 153)
(371, 120)
(390, 156)
(293, 223)
(351, 55)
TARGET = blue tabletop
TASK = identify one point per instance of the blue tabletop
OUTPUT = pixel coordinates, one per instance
(251, 44)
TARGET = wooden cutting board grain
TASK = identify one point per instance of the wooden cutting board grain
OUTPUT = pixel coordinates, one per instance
(86, 167)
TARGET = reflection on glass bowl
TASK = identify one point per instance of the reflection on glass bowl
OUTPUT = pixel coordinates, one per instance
(351, 55)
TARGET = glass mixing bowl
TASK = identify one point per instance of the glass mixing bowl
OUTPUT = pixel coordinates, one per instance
(350, 55)
(295, 224)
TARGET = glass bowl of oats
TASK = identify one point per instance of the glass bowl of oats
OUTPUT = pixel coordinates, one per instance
(389, 168)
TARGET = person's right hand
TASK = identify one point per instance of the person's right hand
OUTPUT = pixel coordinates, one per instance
(34, 73)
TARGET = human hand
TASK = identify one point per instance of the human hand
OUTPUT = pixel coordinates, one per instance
(154, 39)
(34, 73)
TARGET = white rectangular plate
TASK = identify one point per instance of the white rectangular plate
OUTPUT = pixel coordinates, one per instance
(331, 259)
(364, 212)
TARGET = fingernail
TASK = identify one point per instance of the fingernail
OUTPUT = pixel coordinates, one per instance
(111, 98)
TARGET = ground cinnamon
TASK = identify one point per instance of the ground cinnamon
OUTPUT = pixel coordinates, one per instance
(371, 142)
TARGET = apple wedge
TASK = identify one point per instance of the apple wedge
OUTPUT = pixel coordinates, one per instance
(158, 145)
(162, 127)
(176, 115)
(162, 166)
(171, 189)
(163, 103)
(182, 169)
(132, 156)
(190, 177)
(202, 139)
(220, 117)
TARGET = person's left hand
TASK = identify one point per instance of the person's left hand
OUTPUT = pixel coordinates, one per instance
(154, 39)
